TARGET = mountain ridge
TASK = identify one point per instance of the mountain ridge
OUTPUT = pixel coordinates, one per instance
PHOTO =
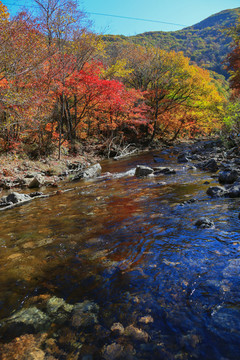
(205, 43)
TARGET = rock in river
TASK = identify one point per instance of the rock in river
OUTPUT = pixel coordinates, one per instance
(85, 314)
(204, 223)
(14, 198)
(216, 191)
(30, 320)
(58, 309)
(182, 158)
(91, 172)
(228, 177)
(142, 170)
(209, 165)
(136, 334)
(163, 170)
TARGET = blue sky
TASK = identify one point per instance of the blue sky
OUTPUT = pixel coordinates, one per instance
(184, 12)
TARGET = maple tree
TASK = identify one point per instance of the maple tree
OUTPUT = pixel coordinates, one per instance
(59, 85)
(170, 83)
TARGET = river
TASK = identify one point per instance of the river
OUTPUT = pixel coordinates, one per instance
(130, 245)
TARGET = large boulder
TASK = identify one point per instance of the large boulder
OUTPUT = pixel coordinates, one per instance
(228, 177)
(142, 170)
(92, 171)
(216, 191)
(209, 165)
(36, 182)
(233, 191)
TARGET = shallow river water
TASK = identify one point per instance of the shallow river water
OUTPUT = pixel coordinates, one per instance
(130, 245)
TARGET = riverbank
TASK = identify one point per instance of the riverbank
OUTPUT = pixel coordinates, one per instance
(18, 173)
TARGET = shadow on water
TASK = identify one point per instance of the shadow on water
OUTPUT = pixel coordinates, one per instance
(130, 245)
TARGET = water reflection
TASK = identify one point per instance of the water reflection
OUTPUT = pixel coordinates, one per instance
(130, 246)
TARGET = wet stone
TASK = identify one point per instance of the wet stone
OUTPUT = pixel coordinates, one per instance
(37, 182)
(35, 194)
(136, 334)
(182, 158)
(216, 191)
(113, 351)
(233, 191)
(14, 198)
(228, 177)
(117, 328)
(29, 320)
(226, 320)
(142, 170)
(58, 309)
(92, 171)
(163, 170)
(146, 319)
(85, 314)
(117, 351)
(204, 223)
(209, 165)
(233, 269)
(36, 355)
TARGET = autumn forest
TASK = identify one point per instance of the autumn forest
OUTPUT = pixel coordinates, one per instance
(61, 85)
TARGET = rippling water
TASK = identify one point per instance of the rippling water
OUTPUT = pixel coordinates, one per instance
(131, 246)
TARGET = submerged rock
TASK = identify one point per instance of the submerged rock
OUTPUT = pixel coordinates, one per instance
(233, 269)
(113, 351)
(58, 309)
(30, 320)
(204, 223)
(142, 170)
(117, 328)
(117, 351)
(146, 319)
(85, 314)
(136, 334)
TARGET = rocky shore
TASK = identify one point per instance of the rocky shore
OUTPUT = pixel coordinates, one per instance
(207, 155)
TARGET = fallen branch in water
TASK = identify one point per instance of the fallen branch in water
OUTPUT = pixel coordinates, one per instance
(125, 155)
(125, 152)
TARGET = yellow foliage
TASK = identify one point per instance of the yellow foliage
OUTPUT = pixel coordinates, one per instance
(117, 70)
(4, 14)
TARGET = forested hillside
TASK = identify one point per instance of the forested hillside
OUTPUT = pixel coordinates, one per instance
(62, 86)
(205, 43)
